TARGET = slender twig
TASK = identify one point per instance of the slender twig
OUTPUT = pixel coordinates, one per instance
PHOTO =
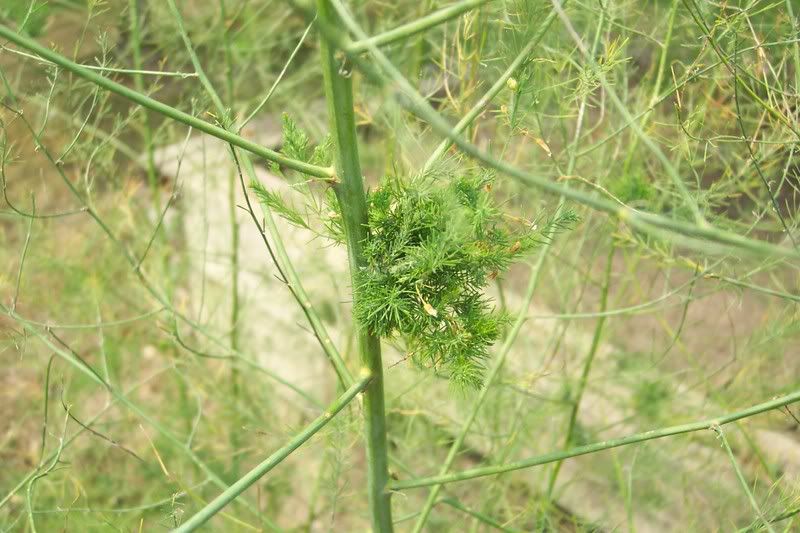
(138, 83)
(232, 214)
(233, 492)
(575, 400)
(274, 86)
(662, 64)
(45, 405)
(599, 446)
(212, 93)
(101, 68)
(417, 26)
(24, 254)
(42, 472)
(742, 480)
(164, 109)
(494, 90)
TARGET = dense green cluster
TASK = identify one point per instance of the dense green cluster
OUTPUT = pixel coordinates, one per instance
(431, 251)
(434, 244)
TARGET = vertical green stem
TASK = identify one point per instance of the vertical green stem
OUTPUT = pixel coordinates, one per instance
(662, 66)
(350, 194)
(587, 368)
(233, 209)
(147, 133)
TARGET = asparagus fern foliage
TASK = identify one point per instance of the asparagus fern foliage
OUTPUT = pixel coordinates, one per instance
(435, 243)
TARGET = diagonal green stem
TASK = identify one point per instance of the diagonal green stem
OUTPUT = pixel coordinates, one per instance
(277, 250)
(519, 321)
(417, 26)
(742, 480)
(237, 488)
(694, 235)
(352, 200)
(164, 109)
(493, 91)
(599, 446)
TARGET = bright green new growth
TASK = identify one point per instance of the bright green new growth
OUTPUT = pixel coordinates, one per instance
(434, 245)
(435, 242)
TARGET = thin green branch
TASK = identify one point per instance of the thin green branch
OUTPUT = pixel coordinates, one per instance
(164, 109)
(417, 26)
(494, 90)
(662, 65)
(569, 436)
(115, 70)
(491, 377)
(147, 128)
(481, 517)
(274, 86)
(201, 73)
(76, 361)
(742, 480)
(599, 446)
(232, 213)
(233, 492)
(24, 254)
(292, 280)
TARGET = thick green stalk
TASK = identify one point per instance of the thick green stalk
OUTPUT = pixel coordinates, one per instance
(587, 368)
(164, 109)
(233, 492)
(599, 446)
(352, 200)
(417, 26)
